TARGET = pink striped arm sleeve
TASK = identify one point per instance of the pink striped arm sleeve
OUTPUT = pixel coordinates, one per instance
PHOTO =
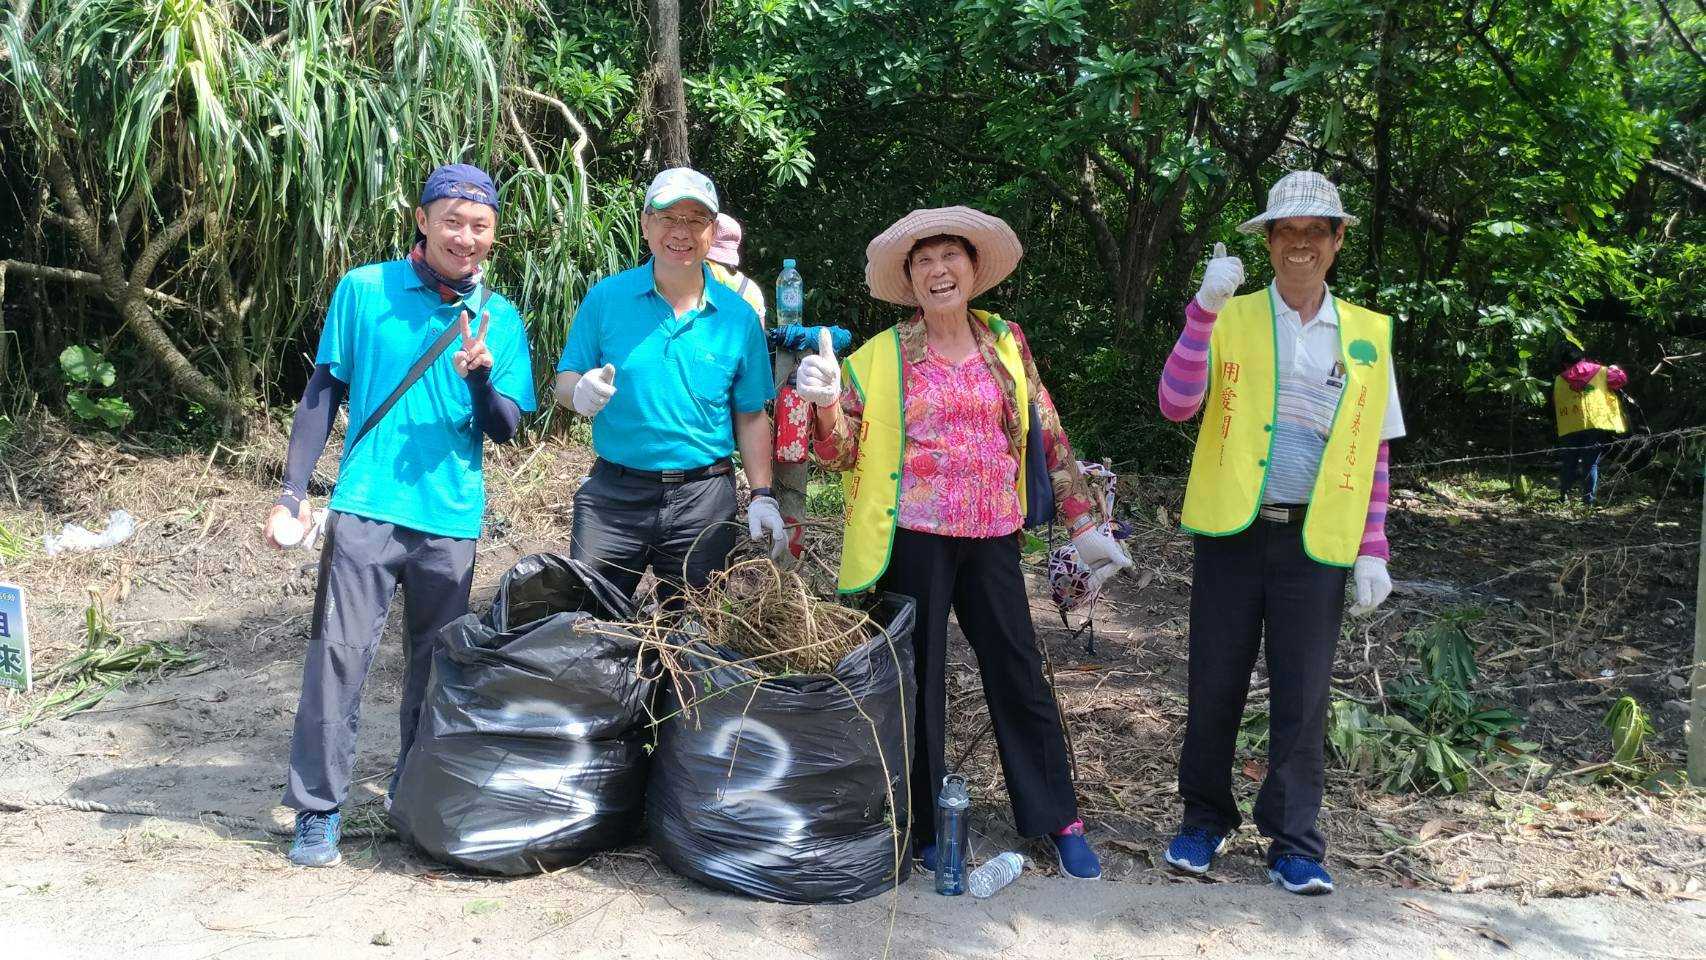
(1184, 379)
(1374, 531)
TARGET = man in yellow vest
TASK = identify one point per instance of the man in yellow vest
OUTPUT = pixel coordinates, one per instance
(1287, 493)
(1584, 398)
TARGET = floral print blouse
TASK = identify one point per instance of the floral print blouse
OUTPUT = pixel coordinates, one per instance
(962, 439)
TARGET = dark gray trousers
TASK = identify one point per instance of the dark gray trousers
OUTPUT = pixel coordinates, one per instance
(980, 580)
(1249, 588)
(362, 562)
(624, 523)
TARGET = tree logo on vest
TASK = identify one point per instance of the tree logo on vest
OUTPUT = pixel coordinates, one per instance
(1363, 352)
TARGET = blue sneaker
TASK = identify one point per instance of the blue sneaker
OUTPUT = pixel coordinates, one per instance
(1195, 848)
(1300, 875)
(1077, 860)
(316, 839)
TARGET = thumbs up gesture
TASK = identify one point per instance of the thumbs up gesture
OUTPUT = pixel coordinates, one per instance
(594, 389)
(1220, 280)
(818, 379)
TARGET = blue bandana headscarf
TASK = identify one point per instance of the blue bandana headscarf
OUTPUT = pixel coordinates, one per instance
(462, 181)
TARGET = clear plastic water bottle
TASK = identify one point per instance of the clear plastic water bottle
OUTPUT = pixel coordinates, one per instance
(995, 874)
(953, 808)
(790, 294)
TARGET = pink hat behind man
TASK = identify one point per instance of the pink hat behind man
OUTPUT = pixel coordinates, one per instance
(725, 249)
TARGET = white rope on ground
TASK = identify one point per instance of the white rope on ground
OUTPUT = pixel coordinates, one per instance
(149, 810)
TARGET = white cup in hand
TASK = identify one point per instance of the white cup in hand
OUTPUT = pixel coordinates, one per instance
(285, 531)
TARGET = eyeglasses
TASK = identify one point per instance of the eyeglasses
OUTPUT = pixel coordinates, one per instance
(671, 221)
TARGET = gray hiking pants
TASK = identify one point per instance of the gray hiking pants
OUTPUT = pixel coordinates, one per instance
(362, 562)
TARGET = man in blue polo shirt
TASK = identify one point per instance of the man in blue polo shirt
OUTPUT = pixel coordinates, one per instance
(673, 370)
(410, 490)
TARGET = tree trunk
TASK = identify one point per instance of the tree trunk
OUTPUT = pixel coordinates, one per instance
(666, 100)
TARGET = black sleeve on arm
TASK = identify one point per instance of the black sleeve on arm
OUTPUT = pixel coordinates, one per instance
(309, 432)
(496, 415)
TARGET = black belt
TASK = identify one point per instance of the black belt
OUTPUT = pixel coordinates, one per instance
(717, 469)
(1283, 513)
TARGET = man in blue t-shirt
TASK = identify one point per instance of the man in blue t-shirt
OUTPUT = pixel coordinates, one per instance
(674, 372)
(410, 491)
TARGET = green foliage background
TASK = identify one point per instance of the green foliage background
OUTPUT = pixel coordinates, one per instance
(1525, 172)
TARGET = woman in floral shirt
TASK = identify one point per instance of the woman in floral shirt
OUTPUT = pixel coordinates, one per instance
(930, 434)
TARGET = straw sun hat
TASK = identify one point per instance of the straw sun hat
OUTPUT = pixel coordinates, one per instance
(998, 250)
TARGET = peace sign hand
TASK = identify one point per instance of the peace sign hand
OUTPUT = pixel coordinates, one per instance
(473, 354)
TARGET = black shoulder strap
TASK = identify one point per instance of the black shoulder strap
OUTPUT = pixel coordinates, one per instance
(415, 373)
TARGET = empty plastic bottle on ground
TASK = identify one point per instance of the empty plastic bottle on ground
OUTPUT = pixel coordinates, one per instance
(952, 808)
(790, 295)
(995, 874)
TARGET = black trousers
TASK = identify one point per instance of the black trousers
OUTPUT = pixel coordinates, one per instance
(1249, 587)
(981, 581)
(624, 523)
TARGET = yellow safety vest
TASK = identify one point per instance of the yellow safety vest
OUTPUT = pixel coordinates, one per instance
(1229, 470)
(872, 488)
(740, 283)
(1595, 408)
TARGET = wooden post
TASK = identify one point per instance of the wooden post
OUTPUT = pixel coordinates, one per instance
(1697, 684)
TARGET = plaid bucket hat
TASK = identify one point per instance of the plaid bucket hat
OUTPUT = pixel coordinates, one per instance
(1301, 193)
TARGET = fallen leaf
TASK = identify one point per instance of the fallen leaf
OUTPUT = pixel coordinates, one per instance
(1627, 653)
(1594, 816)
(475, 908)
(1430, 830)
(1161, 518)
(1145, 578)
(1255, 770)
(1485, 931)
(1137, 850)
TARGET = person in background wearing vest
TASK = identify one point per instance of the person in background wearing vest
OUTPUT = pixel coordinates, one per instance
(1287, 492)
(723, 260)
(410, 491)
(1584, 397)
(673, 370)
(930, 435)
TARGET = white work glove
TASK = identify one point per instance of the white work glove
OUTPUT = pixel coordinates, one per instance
(764, 518)
(1372, 585)
(594, 389)
(818, 378)
(1220, 280)
(1101, 553)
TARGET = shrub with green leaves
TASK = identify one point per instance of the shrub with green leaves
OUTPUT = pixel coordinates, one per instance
(1438, 731)
(87, 375)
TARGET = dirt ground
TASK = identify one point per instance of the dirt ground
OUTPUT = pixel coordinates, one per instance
(1550, 860)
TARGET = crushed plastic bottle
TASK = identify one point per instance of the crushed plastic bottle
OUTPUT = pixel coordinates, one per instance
(995, 874)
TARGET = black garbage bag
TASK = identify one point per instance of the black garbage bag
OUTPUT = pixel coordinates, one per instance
(531, 749)
(783, 790)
